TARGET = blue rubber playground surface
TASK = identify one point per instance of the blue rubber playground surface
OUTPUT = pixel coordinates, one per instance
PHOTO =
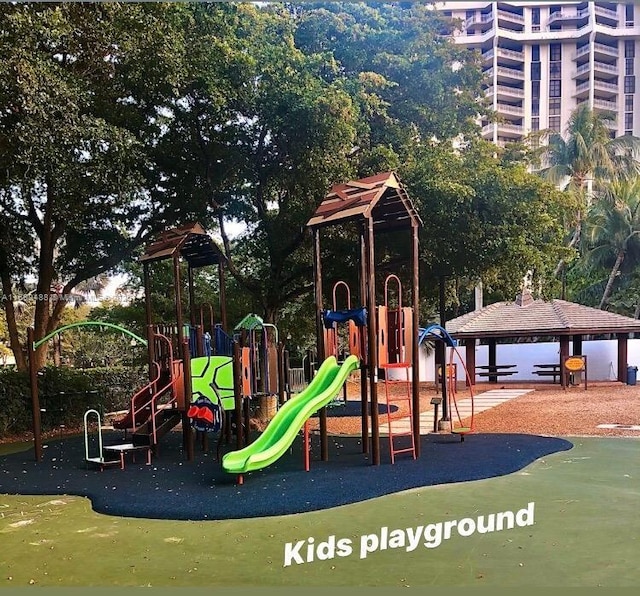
(174, 488)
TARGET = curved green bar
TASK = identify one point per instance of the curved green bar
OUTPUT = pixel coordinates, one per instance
(90, 324)
(284, 427)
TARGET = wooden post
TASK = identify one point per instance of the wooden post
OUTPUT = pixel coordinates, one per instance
(442, 351)
(622, 356)
(222, 295)
(35, 398)
(317, 270)
(178, 303)
(364, 357)
(373, 344)
(415, 263)
(281, 374)
(151, 356)
(470, 353)
(492, 359)
(187, 438)
(564, 353)
(237, 392)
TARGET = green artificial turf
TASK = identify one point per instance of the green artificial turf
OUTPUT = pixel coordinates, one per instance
(586, 533)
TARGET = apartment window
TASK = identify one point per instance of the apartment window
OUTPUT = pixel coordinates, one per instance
(628, 15)
(628, 121)
(535, 19)
(535, 89)
(628, 103)
(555, 88)
(535, 53)
(555, 70)
(554, 107)
(629, 84)
(535, 124)
(470, 13)
(555, 52)
(628, 66)
(554, 123)
(535, 107)
(536, 71)
(629, 48)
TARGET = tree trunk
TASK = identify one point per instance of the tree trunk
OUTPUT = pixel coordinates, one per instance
(612, 277)
(10, 313)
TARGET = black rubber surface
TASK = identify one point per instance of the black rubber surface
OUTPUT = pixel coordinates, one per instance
(174, 488)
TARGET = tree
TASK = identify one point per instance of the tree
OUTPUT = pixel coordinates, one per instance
(483, 219)
(80, 86)
(613, 226)
(585, 155)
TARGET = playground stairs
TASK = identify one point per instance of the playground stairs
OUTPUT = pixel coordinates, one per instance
(166, 419)
(399, 435)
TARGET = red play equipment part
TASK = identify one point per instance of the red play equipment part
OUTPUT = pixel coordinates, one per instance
(451, 393)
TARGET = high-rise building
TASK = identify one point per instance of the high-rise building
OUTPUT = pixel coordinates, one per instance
(543, 59)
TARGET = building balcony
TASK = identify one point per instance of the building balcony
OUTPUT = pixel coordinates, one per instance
(510, 16)
(601, 68)
(566, 17)
(507, 129)
(602, 50)
(606, 16)
(487, 130)
(505, 109)
(479, 21)
(504, 92)
(509, 56)
(603, 87)
(609, 106)
(505, 74)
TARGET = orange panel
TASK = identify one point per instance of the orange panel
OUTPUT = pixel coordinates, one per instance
(330, 347)
(271, 381)
(179, 386)
(407, 340)
(383, 350)
(246, 372)
(354, 339)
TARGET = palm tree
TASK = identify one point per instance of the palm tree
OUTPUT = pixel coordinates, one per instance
(584, 157)
(613, 228)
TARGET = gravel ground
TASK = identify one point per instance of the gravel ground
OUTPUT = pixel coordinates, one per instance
(547, 410)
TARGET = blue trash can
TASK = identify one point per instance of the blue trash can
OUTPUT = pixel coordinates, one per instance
(632, 374)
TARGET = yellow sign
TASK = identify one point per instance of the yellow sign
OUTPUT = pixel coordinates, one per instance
(574, 363)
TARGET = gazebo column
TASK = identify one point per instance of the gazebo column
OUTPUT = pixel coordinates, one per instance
(492, 359)
(564, 353)
(622, 356)
(470, 357)
(577, 345)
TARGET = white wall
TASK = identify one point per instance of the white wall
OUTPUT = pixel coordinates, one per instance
(602, 359)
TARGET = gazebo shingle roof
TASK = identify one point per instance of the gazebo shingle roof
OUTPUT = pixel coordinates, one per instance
(537, 317)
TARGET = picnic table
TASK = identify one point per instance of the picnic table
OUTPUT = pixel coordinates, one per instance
(548, 370)
(493, 371)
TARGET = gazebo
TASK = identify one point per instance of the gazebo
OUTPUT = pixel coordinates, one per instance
(526, 317)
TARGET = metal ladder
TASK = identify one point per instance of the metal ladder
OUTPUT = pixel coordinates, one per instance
(400, 398)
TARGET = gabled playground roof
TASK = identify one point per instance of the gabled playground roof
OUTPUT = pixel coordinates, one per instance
(190, 241)
(381, 197)
(528, 317)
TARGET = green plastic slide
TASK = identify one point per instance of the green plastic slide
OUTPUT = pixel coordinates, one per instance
(283, 429)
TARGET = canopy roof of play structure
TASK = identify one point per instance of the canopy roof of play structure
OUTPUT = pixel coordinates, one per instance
(381, 197)
(190, 241)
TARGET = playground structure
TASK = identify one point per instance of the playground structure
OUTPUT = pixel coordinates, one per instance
(375, 204)
(225, 372)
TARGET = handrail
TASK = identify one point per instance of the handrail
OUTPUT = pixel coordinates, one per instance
(386, 284)
(335, 287)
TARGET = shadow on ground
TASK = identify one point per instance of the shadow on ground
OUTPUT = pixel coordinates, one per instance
(173, 488)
